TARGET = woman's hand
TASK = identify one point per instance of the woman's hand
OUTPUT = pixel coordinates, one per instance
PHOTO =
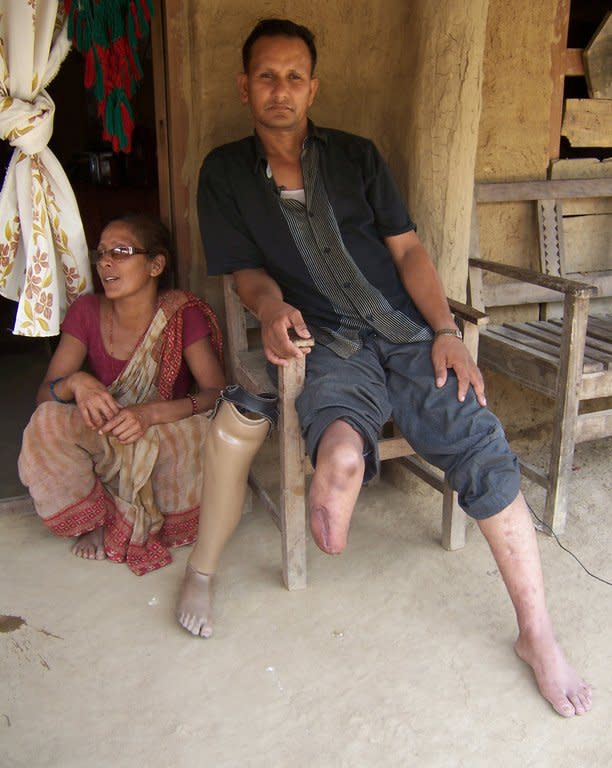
(93, 399)
(129, 424)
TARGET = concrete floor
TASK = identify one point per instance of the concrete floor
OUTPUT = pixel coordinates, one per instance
(398, 653)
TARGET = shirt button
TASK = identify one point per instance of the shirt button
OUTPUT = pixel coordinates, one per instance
(346, 285)
(311, 214)
(369, 317)
(326, 249)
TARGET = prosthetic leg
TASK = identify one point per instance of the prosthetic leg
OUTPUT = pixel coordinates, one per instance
(240, 423)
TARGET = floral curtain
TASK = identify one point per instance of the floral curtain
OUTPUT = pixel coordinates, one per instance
(43, 252)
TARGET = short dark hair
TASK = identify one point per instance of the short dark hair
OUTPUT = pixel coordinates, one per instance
(154, 237)
(279, 28)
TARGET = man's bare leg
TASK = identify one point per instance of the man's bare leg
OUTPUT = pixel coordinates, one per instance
(335, 486)
(90, 546)
(512, 539)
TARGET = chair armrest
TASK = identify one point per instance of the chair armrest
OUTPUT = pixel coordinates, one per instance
(468, 314)
(559, 284)
(299, 341)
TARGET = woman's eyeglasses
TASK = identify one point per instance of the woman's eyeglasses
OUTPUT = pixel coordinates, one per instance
(118, 253)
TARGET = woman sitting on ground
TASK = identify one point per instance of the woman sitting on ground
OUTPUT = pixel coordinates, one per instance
(114, 456)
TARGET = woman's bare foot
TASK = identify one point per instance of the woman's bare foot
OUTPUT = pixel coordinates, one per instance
(90, 545)
(557, 680)
(194, 607)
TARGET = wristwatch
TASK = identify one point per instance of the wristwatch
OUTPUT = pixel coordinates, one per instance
(448, 332)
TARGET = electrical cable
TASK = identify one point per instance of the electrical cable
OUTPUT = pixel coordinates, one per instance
(565, 549)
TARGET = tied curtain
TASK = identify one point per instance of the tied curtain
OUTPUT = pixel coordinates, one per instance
(43, 253)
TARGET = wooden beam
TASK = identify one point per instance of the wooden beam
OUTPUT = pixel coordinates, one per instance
(542, 190)
(574, 65)
(161, 115)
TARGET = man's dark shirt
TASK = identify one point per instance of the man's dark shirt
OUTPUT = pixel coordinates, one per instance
(244, 227)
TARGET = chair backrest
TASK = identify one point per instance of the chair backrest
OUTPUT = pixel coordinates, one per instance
(574, 218)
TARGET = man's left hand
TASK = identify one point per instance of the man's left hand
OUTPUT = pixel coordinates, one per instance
(450, 352)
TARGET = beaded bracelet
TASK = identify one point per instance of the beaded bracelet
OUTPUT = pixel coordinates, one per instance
(194, 404)
(53, 394)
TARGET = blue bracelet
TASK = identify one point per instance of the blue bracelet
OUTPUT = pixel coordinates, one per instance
(52, 388)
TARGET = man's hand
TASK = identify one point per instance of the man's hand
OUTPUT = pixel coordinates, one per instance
(129, 424)
(277, 318)
(93, 400)
(450, 352)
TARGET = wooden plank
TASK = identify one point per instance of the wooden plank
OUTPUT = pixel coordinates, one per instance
(161, 118)
(590, 206)
(580, 168)
(393, 448)
(543, 333)
(561, 189)
(595, 348)
(588, 122)
(519, 362)
(588, 242)
(593, 426)
(598, 61)
(595, 385)
(598, 328)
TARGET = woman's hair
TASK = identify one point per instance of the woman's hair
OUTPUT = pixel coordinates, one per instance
(154, 237)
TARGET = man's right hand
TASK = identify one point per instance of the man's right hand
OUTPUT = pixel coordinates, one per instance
(277, 318)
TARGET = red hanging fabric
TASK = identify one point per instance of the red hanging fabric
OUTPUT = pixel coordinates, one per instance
(107, 32)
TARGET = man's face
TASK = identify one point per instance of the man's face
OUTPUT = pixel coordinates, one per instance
(278, 86)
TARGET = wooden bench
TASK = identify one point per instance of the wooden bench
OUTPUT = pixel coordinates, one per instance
(248, 367)
(568, 358)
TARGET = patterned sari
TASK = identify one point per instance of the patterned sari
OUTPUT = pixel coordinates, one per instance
(146, 494)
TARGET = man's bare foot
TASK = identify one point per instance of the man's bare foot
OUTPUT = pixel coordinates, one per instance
(194, 607)
(558, 682)
(90, 545)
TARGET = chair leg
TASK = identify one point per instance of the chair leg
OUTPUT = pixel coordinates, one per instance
(575, 316)
(293, 484)
(453, 520)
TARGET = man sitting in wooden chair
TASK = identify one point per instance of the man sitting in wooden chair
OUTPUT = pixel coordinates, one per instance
(311, 225)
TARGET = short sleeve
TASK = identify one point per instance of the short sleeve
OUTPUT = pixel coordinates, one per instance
(81, 318)
(195, 326)
(391, 215)
(227, 242)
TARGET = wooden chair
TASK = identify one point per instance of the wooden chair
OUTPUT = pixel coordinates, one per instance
(568, 359)
(248, 368)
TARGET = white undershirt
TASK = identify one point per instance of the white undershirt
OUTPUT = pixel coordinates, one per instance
(294, 194)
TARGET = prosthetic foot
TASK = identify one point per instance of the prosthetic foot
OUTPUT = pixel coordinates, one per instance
(240, 423)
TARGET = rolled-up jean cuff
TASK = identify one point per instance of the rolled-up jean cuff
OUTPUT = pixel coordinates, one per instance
(324, 418)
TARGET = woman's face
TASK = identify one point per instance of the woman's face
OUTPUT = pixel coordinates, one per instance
(124, 273)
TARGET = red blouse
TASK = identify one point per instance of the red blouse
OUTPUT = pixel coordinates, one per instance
(83, 322)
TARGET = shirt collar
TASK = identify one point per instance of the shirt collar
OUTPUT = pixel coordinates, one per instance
(260, 152)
